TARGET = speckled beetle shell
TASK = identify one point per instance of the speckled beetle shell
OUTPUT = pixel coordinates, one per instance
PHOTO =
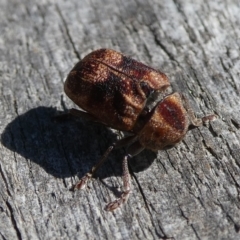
(112, 87)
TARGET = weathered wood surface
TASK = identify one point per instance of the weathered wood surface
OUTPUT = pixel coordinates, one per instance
(188, 192)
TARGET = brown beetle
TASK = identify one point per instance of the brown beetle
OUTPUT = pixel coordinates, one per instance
(123, 94)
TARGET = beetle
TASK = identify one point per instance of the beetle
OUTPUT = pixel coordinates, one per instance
(129, 96)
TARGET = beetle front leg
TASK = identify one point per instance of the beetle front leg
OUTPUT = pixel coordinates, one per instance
(196, 122)
(126, 187)
(133, 150)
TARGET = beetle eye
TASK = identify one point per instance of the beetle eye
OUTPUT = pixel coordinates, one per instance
(146, 88)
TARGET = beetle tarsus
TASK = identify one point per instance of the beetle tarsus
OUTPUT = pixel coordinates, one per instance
(208, 118)
(81, 184)
(118, 202)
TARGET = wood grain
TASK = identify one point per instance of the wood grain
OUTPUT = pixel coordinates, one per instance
(188, 192)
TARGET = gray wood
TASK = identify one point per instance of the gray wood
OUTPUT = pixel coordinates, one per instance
(188, 192)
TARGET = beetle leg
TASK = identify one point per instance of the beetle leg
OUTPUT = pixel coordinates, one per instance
(195, 122)
(126, 187)
(120, 143)
(82, 114)
(83, 181)
(208, 118)
(61, 117)
(133, 150)
(76, 113)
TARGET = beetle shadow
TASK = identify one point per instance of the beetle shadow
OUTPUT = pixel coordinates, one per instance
(67, 148)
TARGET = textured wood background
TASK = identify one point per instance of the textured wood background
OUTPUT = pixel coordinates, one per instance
(188, 192)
